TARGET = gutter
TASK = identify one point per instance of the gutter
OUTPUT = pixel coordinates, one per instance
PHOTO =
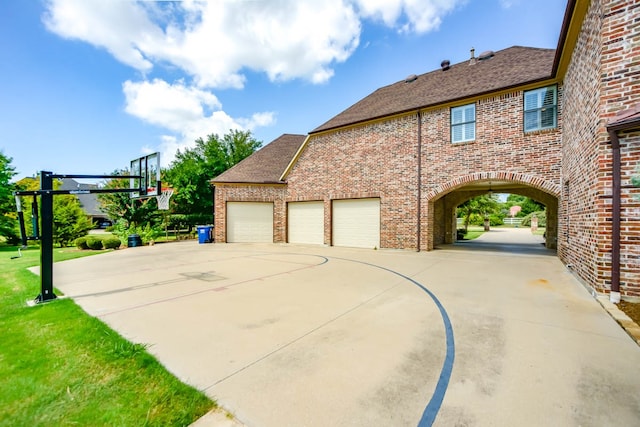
(614, 295)
(418, 228)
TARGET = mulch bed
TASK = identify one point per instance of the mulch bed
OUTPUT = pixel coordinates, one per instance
(631, 309)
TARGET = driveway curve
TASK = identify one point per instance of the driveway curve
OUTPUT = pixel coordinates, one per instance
(285, 335)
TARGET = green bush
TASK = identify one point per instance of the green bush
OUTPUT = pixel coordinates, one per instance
(111, 243)
(146, 233)
(542, 219)
(94, 243)
(81, 243)
(495, 220)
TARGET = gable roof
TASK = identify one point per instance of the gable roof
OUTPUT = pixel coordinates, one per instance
(266, 165)
(89, 202)
(510, 67)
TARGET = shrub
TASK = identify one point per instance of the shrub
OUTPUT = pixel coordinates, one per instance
(146, 233)
(542, 219)
(81, 243)
(94, 243)
(111, 243)
(495, 220)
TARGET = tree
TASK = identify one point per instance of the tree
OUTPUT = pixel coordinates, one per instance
(193, 169)
(8, 216)
(528, 205)
(483, 206)
(120, 206)
(69, 220)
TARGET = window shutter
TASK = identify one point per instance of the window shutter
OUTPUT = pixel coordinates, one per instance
(456, 133)
(531, 100)
(456, 116)
(470, 131)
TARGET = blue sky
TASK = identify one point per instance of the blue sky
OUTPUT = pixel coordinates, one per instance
(87, 85)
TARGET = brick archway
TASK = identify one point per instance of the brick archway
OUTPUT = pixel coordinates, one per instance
(443, 199)
(518, 178)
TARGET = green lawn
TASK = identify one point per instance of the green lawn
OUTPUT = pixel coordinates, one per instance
(59, 366)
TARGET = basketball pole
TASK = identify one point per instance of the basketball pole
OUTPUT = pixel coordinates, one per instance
(46, 194)
(46, 241)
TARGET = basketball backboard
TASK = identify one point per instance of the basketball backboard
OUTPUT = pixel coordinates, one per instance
(148, 168)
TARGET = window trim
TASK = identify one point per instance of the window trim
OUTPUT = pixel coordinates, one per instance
(462, 124)
(539, 110)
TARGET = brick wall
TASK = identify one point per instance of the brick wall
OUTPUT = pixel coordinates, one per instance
(250, 193)
(380, 160)
(374, 160)
(601, 80)
(630, 216)
(583, 144)
(620, 76)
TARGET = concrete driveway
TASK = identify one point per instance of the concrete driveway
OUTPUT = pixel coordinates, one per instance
(285, 335)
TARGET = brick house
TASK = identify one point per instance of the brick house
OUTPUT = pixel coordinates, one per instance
(560, 126)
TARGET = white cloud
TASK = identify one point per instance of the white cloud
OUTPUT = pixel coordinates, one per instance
(121, 27)
(409, 16)
(212, 43)
(188, 112)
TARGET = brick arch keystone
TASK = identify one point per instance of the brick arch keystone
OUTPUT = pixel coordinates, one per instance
(516, 177)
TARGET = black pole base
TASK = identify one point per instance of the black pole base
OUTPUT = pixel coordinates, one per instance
(40, 299)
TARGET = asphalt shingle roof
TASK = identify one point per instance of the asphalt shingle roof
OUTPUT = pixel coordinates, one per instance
(507, 68)
(89, 202)
(265, 165)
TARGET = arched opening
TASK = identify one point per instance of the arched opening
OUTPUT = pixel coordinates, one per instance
(442, 205)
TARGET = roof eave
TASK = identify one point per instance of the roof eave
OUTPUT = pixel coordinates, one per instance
(549, 79)
(214, 182)
(569, 33)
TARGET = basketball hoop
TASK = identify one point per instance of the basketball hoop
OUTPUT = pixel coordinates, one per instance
(163, 199)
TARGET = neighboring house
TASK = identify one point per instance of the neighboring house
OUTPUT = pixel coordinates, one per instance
(560, 126)
(89, 202)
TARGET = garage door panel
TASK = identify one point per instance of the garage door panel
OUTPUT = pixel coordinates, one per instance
(305, 221)
(249, 222)
(356, 223)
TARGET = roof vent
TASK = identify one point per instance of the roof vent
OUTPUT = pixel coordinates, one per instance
(472, 60)
(488, 54)
(411, 78)
(445, 65)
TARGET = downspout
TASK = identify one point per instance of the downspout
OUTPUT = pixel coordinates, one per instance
(614, 295)
(418, 228)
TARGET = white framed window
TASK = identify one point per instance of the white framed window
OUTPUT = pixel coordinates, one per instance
(463, 123)
(541, 109)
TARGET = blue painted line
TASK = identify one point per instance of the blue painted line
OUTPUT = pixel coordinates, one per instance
(433, 407)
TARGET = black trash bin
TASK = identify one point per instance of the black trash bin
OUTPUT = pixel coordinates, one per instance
(134, 240)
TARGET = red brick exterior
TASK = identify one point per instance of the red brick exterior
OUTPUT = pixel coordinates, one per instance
(600, 81)
(567, 168)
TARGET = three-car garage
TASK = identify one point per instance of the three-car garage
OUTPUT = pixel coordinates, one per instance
(354, 222)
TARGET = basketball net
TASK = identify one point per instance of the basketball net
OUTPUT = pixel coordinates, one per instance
(163, 199)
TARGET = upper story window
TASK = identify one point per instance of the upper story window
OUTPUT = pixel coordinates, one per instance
(463, 123)
(540, 109)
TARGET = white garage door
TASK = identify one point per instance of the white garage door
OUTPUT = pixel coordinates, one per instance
(306, 222)
(356, 223)
(249, 222)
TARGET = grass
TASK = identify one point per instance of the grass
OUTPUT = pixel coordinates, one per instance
(60, 366)
(473, 232)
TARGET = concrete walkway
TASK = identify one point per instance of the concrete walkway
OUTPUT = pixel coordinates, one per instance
(285, 335)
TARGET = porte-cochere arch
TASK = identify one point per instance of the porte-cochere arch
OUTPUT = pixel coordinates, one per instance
(443, 199)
